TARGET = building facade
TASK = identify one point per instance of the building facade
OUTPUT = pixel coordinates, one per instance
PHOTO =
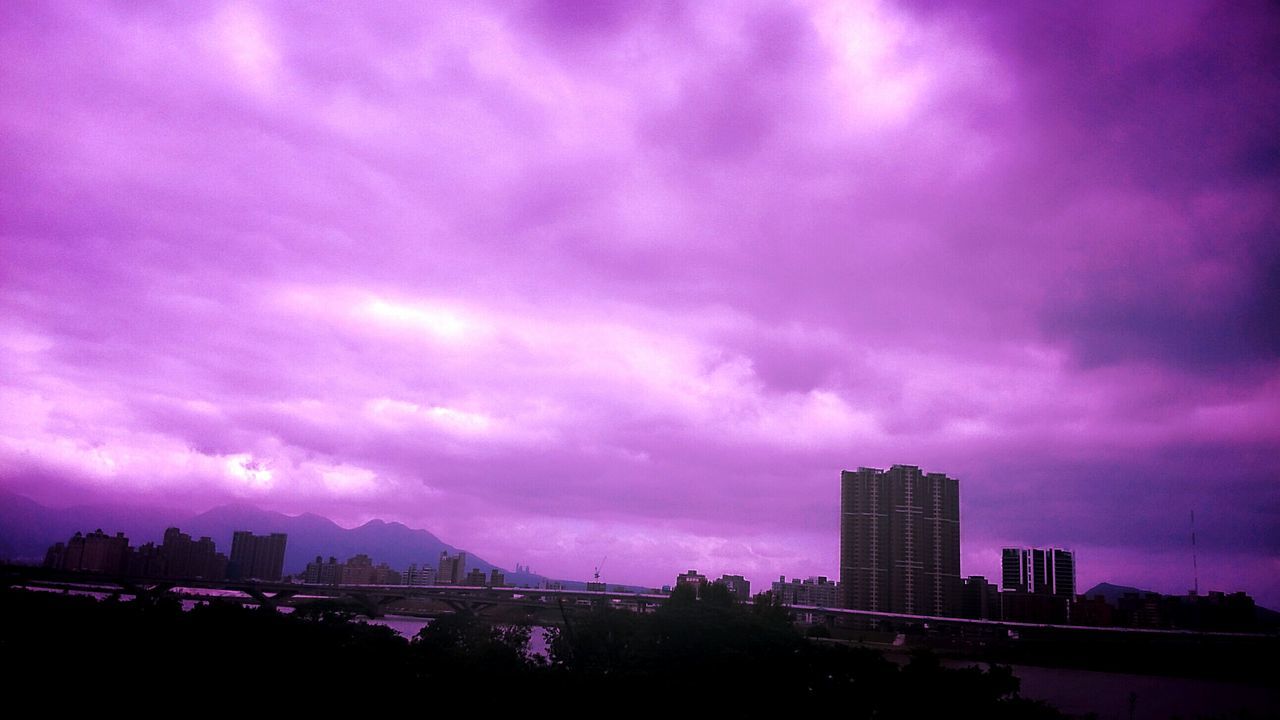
(184, 557)
(1043, 571)
(900, 541)
(95, 552)
(452, 569)
(815, 591)
(420, 576)
(738, 586)
(324, 573)
(260, 557)
(980, 600)
(693, 579)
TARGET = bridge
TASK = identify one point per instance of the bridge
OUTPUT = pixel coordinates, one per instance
(507, 604)
(550, 606)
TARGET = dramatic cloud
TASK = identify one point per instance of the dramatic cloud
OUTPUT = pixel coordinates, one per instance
(566, 280)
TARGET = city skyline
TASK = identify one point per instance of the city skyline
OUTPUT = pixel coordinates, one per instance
(566, 281)
(1014, 567)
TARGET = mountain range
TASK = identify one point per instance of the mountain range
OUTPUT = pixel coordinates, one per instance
(27, 529)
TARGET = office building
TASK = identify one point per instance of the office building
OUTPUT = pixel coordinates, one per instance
(900, 541)
(260, 557)
(1043, 571)
(1015, 570)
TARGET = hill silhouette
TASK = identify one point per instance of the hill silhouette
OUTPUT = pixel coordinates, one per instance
(27, 529)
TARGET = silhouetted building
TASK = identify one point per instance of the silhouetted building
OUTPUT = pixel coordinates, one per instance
(178, 557)
(56, 556)
(259, 557)
(146, 561)
(1142, 610)
(694, 579)
(1015, 569)
(453, 569)
(1217, 611)
(475, 578)
(1064, 573)
(816, 591)
(738, 586)
(1018, 606)
(324, 573)
(900, 541)
(1046, 571)
(1093, 611)
(183, 557)
(980, 599)
(95, 552)
(496, 578)
(383, 574)
(358, 570)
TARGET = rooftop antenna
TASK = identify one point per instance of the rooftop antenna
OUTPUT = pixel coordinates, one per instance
(1195, 567)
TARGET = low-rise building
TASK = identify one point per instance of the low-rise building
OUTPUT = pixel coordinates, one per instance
(816, 591)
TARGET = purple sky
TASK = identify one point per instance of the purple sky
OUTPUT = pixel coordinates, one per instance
(572, 280)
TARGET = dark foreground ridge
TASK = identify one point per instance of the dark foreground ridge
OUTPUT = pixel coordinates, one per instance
(712, 651)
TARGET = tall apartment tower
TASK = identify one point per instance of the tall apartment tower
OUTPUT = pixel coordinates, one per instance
(257, 556)
(1047, 571)
(453, 569)
(900, 541)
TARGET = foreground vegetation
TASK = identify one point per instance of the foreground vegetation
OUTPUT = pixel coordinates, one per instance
(710, 650)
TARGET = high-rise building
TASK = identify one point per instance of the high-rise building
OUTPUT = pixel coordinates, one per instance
(1044, 571)
(184, 557)
(900, 541)
(1015, 569)
(324, 573)
(420, 576)
(257, 556)
(358, 570)
(1064, 573)
(95, 552)
(453, 569)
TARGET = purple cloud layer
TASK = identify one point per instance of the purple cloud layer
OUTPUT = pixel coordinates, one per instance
(566, 280)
